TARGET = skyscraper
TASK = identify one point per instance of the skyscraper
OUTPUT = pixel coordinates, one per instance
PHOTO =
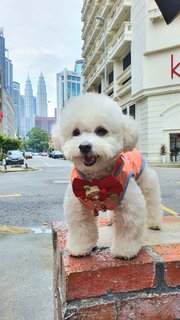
(17, 105)
(8, 74)
(41, 101)
(69, 83)
(29, 104)
(79, 66)
(2, 56)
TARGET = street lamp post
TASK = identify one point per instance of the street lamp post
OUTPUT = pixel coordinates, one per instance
(100, 18)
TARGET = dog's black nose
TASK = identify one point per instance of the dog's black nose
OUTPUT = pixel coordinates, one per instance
(85, 147)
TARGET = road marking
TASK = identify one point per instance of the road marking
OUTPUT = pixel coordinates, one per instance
(61, 181)
(48, 165)
(13, 229)
(10, 195)
(170, 211)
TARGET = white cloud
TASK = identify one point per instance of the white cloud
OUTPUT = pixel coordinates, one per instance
(43, 35)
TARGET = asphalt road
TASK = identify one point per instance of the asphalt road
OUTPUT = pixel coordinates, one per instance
(26, 260)
(33, 198)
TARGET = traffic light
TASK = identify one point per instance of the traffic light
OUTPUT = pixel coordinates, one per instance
(169, 9)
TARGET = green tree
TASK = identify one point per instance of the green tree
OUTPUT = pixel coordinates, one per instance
(38, 140)
(7, 143)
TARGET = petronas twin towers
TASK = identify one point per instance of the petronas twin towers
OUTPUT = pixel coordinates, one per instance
(41, 99)
(35, 106)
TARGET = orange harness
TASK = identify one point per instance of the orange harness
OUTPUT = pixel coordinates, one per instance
(106, 194)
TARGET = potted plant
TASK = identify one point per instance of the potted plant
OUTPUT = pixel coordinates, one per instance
(174, 153)
(163, 153)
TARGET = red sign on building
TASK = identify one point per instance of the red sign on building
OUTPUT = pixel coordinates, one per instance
(174, 68)
(1, 115)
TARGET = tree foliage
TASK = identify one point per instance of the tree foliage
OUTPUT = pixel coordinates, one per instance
(38, 140)
(7, 143)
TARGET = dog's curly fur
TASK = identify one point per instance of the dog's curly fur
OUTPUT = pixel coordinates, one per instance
(80, 119)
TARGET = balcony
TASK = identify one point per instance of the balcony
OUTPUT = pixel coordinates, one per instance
(120, 41)
(91, 38)
(106, 7)
(122, 37)
(110, 89)
(96, 50)
(86, 6)
(90, 18)
(117, 13)
(124, 82)
(155, 14)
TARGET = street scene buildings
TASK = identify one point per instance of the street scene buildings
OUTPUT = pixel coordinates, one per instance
(141, 53)
(130, 54)
(20, 113)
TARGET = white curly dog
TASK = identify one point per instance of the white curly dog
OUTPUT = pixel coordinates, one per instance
(109, 174)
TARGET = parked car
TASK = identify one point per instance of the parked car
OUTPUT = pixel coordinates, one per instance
(28, 155)
(14, 157)
(44, 154)
(56, 154)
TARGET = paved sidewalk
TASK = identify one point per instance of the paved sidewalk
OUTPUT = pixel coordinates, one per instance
(26, 277)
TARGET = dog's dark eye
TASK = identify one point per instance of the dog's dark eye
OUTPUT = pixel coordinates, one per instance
(100, 131)
(76, 132)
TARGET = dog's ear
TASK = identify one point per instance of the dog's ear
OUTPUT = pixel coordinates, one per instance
(130, 133)
(56, 137)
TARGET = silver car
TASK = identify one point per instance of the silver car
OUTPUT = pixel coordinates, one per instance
(14, 157)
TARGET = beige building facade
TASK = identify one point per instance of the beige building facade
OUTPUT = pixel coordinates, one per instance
(142, 68)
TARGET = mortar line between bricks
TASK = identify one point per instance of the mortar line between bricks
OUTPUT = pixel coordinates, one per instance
(117, 297)
(116, 310)
(159, 264)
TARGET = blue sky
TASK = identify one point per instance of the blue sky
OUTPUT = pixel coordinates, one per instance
(42, 34)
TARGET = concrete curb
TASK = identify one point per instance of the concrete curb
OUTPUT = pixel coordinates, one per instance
(2, 170)
(164, 165)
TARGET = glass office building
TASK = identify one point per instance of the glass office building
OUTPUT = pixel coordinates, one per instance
(2, 56)
(69, 83)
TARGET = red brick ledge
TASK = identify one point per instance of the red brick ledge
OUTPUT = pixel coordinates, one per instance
(100, 287)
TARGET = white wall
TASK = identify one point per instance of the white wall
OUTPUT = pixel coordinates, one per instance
(138, 17)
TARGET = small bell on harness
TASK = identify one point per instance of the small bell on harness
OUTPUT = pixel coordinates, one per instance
(95, 212)
(103, 207)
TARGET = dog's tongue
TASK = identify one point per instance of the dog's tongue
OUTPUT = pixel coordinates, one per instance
(90, 159)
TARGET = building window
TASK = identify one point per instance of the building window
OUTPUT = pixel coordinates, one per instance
(99, 88)
(132, 111)
(78, 89)
(111, 76)
(73, 89)
(127, 61)
(69, 88)
(124, 111)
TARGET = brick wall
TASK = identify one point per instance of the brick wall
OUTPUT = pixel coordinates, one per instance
(102, 288)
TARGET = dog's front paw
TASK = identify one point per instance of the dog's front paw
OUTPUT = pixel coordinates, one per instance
(125, 251)
(80, 248)
(154, 225)
(79, 251)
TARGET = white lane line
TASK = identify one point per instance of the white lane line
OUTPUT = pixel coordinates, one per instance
(47, 164)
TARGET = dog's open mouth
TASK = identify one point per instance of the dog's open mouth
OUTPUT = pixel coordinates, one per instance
(89, 159)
